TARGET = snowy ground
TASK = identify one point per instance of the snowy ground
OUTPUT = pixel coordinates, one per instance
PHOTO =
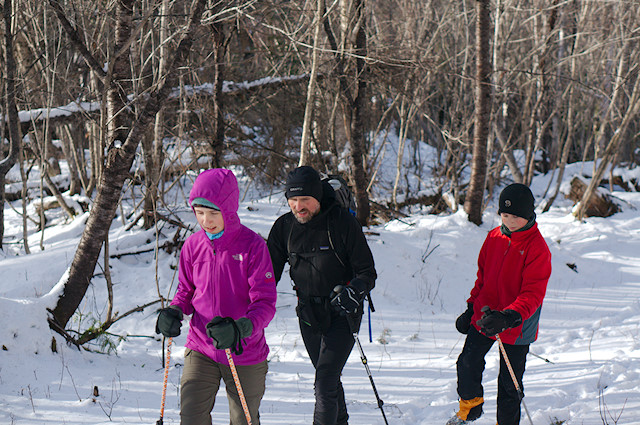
(590, 327)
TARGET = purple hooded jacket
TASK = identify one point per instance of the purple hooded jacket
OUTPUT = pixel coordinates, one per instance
(231, 276)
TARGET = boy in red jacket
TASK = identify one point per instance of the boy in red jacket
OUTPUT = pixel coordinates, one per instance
(514, 266)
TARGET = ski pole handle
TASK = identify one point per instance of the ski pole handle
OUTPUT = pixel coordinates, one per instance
(236, 379)
(336, 291)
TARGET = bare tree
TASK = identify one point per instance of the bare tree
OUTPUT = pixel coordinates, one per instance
(475, 193)
(612, 147)
(311, 87)
(10, 106)
(118, 162)
(350, 71)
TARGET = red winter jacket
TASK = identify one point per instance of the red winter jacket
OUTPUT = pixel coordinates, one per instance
(512, 274)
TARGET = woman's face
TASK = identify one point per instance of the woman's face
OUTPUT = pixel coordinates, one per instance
(209, 219)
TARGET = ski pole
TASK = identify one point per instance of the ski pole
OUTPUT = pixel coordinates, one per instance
(541, 358)
(236, 379)
(337, 290)
(164, 384)
(513, 377)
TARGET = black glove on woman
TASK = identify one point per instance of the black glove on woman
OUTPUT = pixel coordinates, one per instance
(169, 321)
(228, 333)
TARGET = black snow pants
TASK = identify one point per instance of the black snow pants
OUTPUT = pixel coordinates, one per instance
(329, 350)
(471, 365)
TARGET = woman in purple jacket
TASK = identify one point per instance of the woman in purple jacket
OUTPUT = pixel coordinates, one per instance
(228, 288)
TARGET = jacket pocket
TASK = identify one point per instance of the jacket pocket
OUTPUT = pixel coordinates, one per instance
(314, 312)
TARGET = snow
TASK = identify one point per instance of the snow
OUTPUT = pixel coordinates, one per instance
(589, 333)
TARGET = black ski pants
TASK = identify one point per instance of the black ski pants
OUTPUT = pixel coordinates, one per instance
(329, 351)
(471, 365)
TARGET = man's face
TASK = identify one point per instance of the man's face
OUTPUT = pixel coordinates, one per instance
(209, 219)
(304, 208)
(513, 222)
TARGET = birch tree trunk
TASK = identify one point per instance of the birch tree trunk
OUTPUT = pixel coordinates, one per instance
(482, 118)
(311, 88)
(353, 101)
(116, 170)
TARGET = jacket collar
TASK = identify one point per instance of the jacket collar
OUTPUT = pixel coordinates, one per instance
(521, 234)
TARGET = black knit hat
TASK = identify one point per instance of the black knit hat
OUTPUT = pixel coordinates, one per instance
(517, 199)
(304, 181)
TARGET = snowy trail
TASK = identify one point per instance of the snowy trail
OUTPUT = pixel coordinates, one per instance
(590, 330)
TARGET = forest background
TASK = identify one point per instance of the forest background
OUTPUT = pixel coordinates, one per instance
(132, 95)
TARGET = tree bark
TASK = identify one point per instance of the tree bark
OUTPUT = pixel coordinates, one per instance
(482, 117)
(219, 48)
(11, 110)
(353, 102)
(611, 150)
(120, 75)
(153, 146)
(118, 163)
(311, 87)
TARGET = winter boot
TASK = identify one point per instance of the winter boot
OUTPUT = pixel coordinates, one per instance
(455, 420)
(470, 410)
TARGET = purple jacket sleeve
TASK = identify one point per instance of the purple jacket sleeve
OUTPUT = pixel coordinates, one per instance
(186, 286)
(262, 287)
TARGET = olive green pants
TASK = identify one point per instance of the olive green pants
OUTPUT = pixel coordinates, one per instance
(200, 383)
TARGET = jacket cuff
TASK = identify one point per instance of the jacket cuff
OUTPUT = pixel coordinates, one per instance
(180, 309)
(360, 286)
(513, 317)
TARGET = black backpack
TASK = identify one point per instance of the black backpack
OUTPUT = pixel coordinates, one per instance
(344, 196)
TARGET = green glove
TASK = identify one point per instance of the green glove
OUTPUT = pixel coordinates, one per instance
(169, 321)
(228, 333)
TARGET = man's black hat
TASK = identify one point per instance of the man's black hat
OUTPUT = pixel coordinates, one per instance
(303, 181)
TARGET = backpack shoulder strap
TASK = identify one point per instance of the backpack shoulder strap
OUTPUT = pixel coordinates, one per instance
(341, 243)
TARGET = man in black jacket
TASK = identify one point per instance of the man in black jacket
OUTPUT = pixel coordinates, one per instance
(326, 249)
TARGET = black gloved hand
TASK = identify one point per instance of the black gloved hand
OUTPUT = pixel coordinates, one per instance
(227, 333)
(169, 321)
(493, 322)
(464, 320)
(348, 299)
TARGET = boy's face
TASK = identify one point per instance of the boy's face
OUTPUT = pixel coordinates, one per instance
(304, 208)
(209, 219)
(513, 222)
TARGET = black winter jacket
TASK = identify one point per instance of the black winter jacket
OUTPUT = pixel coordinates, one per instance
(329, 250)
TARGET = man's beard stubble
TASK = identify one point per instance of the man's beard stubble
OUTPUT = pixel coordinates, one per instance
(307, 218)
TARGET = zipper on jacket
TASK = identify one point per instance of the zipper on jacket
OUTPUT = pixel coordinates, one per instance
(506, 251)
